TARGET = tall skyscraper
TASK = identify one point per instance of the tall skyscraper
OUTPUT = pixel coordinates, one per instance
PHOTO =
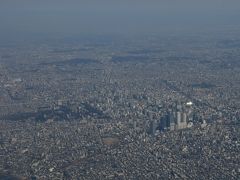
(179, 120)
(153, 127)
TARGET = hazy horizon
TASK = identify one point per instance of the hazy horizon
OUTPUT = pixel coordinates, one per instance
(27, 19)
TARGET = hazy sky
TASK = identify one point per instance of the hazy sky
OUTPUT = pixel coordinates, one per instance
(20, 18)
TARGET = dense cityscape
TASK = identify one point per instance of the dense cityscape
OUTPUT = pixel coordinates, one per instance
(153, 108)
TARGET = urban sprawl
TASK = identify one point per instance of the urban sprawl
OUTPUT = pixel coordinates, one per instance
(153, 108)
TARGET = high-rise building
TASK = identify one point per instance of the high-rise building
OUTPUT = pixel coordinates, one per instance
(172, 121)
(163, 123)
(153, 127)
(179, 120)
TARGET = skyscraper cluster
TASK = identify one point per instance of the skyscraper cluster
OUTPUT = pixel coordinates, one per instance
(176, 118)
